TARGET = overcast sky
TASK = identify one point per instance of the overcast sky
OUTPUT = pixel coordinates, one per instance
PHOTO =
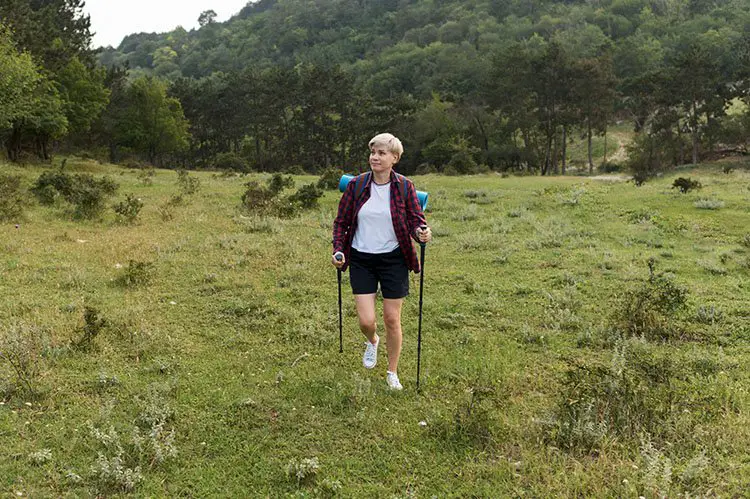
(113, 20)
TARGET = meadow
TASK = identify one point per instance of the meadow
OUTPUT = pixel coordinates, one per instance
(582, 337)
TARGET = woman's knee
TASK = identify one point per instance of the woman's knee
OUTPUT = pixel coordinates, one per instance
(367, 323)
(392, 319)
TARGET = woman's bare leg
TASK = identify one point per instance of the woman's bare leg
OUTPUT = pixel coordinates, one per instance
(392, 319)
(366, 313)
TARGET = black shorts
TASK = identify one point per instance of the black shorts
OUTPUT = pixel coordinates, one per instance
(367, 270)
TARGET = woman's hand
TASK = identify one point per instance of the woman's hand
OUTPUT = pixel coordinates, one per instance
(424, 234)
(338, 259)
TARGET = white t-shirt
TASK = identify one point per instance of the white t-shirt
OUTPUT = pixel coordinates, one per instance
(375, 232)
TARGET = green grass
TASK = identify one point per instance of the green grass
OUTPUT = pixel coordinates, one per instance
(618, 137)
(232, 343)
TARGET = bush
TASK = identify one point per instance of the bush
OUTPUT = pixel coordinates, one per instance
(166, 210)
(93, 325)
(649, 309)
(686, 185)
(303, 472)
(232, 162)
(648, 154)
(267, 200)
(329, 179)
(295, 170)
(85, 192)
(146, 176)
(21, 348)
(640, 391)
(610, 167)
(473, 422)
(188, 185)
(128, 210)
(279, 182)
(463, 162)
(708, 204)
(12, 201)
(307, 196)
(136, 274)
(257, 198)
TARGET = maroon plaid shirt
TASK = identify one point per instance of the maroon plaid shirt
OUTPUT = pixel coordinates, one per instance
(406, 213)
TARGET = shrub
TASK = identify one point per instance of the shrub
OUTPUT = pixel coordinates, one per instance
(639, 391)
(307, 196)
(279, 182)
(129, 209)
(648, 310)
(475, 194)
(21, 349)
(329, 179)
(146, 176)
(136, 274)
(686, 185)
(231, 161)
(85, 192)
(462, 162)
(40, 457)
(266, 200)
(257, 198)
(188, 185)
(473, 420)
(425, 169)
(610, 167)
(708, 204)
(304, 471)
(120, 461)
(12, 201)
(646, 157)
(709, 315)
(166, 210)
(93, 325)
(295, 170)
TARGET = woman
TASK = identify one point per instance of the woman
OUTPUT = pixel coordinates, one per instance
(378, 216)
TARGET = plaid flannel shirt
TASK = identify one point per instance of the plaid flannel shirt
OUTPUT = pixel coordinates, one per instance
(406, 214)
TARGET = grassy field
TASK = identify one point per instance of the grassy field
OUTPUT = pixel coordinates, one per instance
(580, 338)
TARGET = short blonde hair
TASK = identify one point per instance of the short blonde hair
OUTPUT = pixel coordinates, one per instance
(391, 143)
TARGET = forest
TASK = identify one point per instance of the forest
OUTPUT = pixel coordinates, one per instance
(470, 85)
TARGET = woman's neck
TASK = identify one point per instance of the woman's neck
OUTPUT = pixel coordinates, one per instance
(381, 177)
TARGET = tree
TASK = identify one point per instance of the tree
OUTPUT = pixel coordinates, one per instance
(698, 87)
(53, 31)
(106, 127)
(83, 93)
(153, 123)
(17, 83)
(30, 104)
(593, 97)
(207, 17)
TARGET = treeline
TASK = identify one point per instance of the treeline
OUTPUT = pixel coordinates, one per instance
(470, 85)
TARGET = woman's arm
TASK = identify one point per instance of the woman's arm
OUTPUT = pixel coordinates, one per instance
(414, 215)
(343, 221)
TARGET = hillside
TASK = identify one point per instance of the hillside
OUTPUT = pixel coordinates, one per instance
(580, 338)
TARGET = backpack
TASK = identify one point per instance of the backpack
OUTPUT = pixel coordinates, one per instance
(361, 181)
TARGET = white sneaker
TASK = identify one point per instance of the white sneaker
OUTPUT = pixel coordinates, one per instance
(370, 358)
(393, 382)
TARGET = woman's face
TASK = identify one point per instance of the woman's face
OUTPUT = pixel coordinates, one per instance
(381, 159)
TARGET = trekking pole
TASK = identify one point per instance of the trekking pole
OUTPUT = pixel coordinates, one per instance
(421, 288)
(341, 327)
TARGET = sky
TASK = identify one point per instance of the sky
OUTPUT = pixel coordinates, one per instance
(113, 20)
